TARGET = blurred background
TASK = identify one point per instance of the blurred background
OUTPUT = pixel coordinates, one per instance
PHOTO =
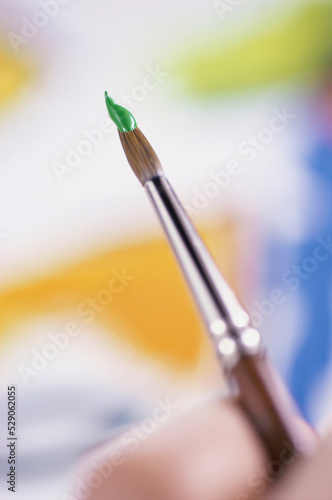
(96, 322)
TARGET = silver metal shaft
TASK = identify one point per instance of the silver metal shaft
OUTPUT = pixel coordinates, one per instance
(225, 318)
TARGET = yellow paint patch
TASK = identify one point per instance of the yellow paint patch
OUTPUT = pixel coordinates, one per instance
(154, 312)
(14, 73)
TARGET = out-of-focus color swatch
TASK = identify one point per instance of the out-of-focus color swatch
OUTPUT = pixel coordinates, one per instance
(296, 48)
(15, 72)
(154, 312)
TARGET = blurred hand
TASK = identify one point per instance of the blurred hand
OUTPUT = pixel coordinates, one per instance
(212, 453)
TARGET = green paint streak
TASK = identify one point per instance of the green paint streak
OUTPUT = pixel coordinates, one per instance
(122, 118)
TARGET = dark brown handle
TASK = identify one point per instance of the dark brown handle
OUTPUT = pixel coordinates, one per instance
(268, 404)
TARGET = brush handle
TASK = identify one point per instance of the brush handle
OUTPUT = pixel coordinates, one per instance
(268, 404)
(263, 395)
(214, 297)
(225, 319)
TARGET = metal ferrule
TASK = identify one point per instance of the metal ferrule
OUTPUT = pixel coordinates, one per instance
(224, 317)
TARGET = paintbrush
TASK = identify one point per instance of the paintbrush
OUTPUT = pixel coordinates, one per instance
(239, 347)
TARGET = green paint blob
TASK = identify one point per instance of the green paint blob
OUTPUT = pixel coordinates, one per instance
(122, 118)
